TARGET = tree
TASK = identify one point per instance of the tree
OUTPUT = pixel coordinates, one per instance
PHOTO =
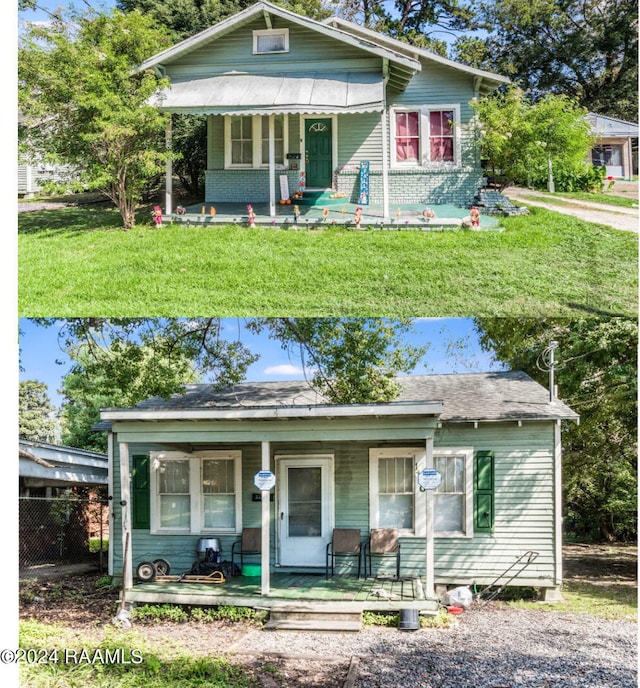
(119, 362)
(36, 416)
(587, 49)
(523, 140)
(85, 106)
(597, 376)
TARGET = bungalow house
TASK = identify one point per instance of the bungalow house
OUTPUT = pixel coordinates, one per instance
(192, 467)
(616, 145)
(293, 103)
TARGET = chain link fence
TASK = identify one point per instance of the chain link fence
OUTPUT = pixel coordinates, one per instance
(63, 530)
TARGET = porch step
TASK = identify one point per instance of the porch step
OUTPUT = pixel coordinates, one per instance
(314, 618)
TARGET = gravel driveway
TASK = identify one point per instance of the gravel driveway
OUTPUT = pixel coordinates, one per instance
(496, 647)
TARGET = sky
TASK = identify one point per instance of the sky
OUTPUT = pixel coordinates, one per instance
(41, 357)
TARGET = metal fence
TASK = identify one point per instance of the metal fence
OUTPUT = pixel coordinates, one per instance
(63, 530)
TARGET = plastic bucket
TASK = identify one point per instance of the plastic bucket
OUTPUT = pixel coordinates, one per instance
(409, 620)
(252, 570)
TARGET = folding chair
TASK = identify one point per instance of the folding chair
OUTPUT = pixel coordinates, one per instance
(251, 543)
(383, 542)
(345, 542)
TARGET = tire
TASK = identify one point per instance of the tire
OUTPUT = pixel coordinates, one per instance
(146, 572)
(163, 567)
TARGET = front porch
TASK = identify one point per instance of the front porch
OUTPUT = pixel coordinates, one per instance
(346, 593)
(329, 213)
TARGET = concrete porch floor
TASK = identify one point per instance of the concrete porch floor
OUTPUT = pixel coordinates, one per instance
(337, 213)
(345, 592)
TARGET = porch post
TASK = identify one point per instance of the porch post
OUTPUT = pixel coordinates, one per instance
(125, 502)
(272, 168)
(385, 147)
(557, 499)
(266, 512)
(169, 173)
(110, 504)
(428, 564)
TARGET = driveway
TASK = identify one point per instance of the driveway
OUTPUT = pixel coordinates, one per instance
(613, 216)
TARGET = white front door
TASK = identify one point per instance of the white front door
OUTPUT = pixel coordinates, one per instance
(305, 505)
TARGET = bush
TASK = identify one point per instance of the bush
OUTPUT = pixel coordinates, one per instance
(589, 178)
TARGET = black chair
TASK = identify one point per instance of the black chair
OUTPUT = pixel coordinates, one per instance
(345, 542)
(251, 543)
(383, 542)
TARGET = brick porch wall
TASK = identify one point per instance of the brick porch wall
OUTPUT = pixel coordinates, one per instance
(244, 186)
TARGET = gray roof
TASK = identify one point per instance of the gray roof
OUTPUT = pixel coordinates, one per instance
(610, 127)
(465, 397)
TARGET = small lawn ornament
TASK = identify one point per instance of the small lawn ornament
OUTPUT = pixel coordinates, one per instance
(325, 214)
(475, 217)
(181, 210)
(302, 183)
(296, 214)
(156, 214)
(212, 211)
(252, 216)
(428, 213)
(358, 217)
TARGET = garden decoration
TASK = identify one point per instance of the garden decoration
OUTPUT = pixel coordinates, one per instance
(427, 214)
(156, 213)
(181, 210)
(202, 210)
(358, 217)
(475, 216)
(325, 214)
(296, 214)
(252, 216)
(212, 211)
(398, 214)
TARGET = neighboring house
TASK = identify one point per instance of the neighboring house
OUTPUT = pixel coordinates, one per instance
(616, 145)
(46, 469)
(312, 101)
(183, 468)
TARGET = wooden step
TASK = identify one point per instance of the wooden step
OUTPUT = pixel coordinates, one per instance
(315, 618)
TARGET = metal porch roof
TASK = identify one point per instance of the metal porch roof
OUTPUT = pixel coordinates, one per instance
(240, 93)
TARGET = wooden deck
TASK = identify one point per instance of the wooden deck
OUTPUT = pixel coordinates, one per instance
(291, 589)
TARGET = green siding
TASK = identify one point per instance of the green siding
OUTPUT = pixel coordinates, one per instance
(524, 516)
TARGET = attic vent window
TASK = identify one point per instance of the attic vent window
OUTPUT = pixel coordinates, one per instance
(271, 41)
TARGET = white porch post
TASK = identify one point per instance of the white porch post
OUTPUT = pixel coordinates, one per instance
(558, 500)
(169, 173)
(111, 505)
(266, 525)
(385, 150)
(272, 168)
(428, 563)
(125, 501)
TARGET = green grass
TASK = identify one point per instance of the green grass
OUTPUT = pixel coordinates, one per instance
(121, 659)
(76, 262)
(608, 601)
(564, 197)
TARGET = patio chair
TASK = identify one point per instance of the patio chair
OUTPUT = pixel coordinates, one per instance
(251, 543)
(345, 542)
(383, 542)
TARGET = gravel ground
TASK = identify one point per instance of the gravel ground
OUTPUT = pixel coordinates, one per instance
(496, 647)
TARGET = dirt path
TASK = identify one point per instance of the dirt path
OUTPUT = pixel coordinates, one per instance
(613, 216)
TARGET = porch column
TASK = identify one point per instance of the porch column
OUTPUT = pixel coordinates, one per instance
(169, 173)
(428, 563)
(110, 504)
(266, 503)
(272, 168)
(125, 503)
(385, 165)
(557, 500)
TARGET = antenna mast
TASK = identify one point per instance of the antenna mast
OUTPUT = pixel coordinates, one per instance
(552, 387)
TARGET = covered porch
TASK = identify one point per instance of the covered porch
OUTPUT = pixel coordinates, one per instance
(287, 589)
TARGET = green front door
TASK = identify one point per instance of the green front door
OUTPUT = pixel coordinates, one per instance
(318, 153)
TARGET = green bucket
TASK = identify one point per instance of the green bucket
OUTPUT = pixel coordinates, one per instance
(252, 570)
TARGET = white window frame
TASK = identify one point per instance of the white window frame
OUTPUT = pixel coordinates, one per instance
(270, 32)
(424, 132)
(236, 456)
(467, 453)
(196, 526)
(419, 500)
(256, 140)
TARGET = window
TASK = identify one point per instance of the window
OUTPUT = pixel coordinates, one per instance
(425, 137)
(441, 135)
(247, 140)
(173, 493)
(407, 137)
(196, 492)
(218, 493)
(453, 499)
(271, 41)
(393, 485)
(242, 141)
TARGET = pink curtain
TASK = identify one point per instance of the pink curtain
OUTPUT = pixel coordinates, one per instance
(407, 136)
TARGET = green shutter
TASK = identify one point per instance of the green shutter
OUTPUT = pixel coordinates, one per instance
(140, 514)
(483, 494)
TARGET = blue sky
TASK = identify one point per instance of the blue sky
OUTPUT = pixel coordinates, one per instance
(42, 358)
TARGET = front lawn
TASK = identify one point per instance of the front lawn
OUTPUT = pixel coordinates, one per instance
(75, 261)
